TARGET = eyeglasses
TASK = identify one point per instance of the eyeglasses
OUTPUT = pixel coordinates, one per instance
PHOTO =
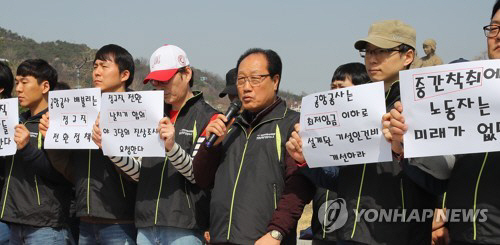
(378, 52)
(157, 83)
(491, 30)
(254, 80)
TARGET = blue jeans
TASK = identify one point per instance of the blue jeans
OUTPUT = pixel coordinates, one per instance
(26, 234)
(168, 236)
(4, 233)
(106, 234)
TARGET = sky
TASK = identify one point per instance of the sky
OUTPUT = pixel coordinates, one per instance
(312, 37)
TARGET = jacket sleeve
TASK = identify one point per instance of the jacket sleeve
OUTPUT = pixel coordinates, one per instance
(424, 179)
(128, 165)
(60, 160)
(205, 165)
(40, 162)
(298, 192)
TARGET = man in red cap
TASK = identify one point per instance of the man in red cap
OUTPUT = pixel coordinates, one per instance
(170, 208)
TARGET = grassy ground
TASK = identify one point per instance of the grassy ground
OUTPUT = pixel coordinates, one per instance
(305, 219)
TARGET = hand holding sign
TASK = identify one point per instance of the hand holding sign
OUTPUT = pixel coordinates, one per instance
(394, 127)
(21, 136)
(96, 133)
(294, 145)
(43, 126)
(167, 132)
(8, 120)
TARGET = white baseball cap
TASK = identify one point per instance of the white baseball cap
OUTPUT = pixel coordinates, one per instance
(165, 62)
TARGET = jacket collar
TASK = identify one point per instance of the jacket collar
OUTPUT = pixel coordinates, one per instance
(26, 116)
(393, 94)
(197, 95)
(276, 110)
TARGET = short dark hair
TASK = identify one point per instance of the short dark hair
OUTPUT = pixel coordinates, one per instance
(39, 69)
(274, 65)
(403, 48)
(183, 70)
(120, 56)
(495, 8)
(356, 71)
(6, 80)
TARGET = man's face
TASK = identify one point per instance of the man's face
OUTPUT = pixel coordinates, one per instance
(28, 90)
(256, 97)
(427, 49)
(494, 42)
(347, 82)
(175, 90)
(106, 76)
(386, 65)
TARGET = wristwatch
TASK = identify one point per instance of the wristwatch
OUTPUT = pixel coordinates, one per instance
(276, 235)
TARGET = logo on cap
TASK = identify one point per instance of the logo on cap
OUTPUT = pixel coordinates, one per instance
(157, 60)
(182, 60)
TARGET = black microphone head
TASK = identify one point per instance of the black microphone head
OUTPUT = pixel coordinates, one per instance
(236, 103)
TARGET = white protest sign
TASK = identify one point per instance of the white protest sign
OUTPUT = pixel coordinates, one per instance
(9, 118)
(72, 114)
(129, 124)
(451, 109)
(343, 126)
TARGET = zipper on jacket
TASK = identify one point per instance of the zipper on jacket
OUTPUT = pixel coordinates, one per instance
(324, 217)
(403, 199)
(275, 203)
(159, 191)
(88, 184)
(357, 203)
(121, 182)
(187, 196)
(239, 171)
(475, 194)
(165, 163)
(37, 192)
(7, 187)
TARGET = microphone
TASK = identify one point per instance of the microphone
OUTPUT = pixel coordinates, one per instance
(232, 111)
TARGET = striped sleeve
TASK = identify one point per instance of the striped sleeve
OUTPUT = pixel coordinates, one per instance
(182, 161)
(129, 165)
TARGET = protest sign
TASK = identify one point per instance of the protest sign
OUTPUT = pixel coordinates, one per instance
(9, 118)
(72, 115)
(343, 126)
(451, 109)
(129, 124)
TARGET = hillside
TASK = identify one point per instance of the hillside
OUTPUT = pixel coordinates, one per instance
(73, 62)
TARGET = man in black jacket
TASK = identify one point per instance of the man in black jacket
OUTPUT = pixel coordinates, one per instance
(388, 49)
(35, 198)
(105, 196)
(257, 195)
(473, 178)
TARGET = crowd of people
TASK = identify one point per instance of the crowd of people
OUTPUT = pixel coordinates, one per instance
(251, 185)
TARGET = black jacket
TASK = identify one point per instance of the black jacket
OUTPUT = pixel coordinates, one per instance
(319, 230)
(473, 187)
(34, 193)
(383, 186)
(250, 179)
(164, 196)
(102, 190)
